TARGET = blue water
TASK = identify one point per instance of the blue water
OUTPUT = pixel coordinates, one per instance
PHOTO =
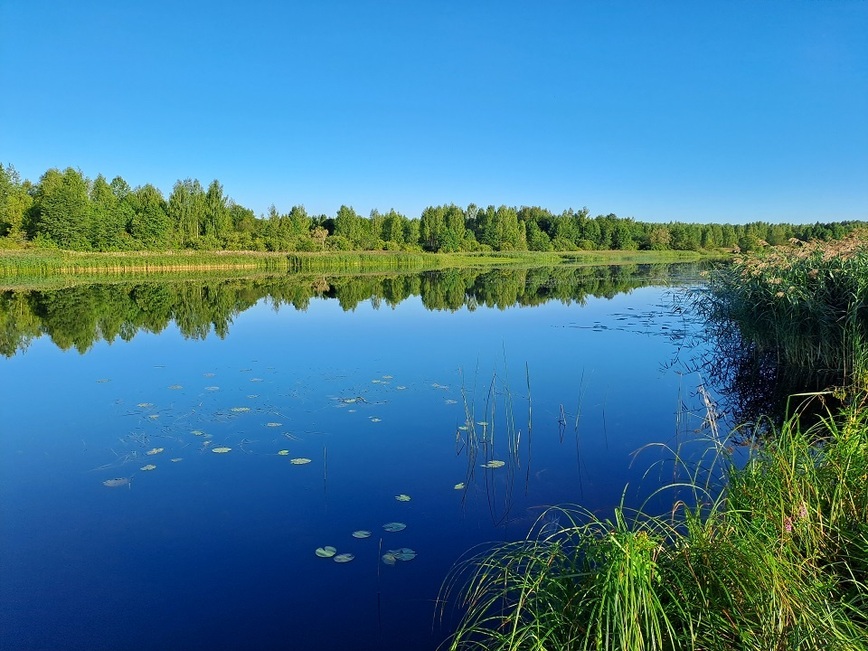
(216, 551)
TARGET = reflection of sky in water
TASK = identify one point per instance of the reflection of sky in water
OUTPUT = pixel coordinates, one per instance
(217, 551)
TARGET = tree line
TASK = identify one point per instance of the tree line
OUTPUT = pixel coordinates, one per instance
(66, 210)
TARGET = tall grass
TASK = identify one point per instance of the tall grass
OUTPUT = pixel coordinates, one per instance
(34, 262)
(773, 555)
(807, 304)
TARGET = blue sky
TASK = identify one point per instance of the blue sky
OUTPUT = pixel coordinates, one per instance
(695, 111)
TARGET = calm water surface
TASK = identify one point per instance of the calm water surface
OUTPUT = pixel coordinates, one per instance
(217, 551)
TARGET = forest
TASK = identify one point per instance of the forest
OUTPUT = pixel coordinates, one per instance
(66, 210)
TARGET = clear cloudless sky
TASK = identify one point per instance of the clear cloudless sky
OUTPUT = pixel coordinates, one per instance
(727, 111)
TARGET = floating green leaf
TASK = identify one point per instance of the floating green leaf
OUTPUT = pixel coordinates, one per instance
(197, 432)
(240, 410)
(344, 558)
(175, 387)
(273, 424)
(176, 459)
(212, 388)
(403, 498)
(326, 552)
(150, 466)
(221, 450)
(393, 527)
(494, 463)
(116, 482)
(403, 554)
(389, 558)
(459, 486)
(362, 533)
(283, 453)
(299, 461)
(154, 451)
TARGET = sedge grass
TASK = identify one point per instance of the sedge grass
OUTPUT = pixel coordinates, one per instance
(775, 558)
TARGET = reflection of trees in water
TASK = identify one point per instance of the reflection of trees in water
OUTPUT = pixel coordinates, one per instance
(76, 317)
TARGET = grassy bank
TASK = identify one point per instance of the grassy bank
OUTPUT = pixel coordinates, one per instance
(36, 263)
(774, 557)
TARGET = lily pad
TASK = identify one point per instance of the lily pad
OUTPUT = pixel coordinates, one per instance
(212, 388)
(145, 405)
(153, 416)
(150, 466)
(175, 387)
(240, 410)
(403, 554)
(494, 463)
(403, 498)
(326, 552)
(344, 558)
(389, 558)
(459, 486)
(154, 451)
(394, 527)
(283, 453)
(221, 450)
(176, 459)
(299, 461)
(116, 482)
(273, 424)
(362, 533)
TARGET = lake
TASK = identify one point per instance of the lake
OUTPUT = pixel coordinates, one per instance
(280, 415)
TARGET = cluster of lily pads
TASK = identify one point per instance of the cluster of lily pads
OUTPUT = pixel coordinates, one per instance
(389, 558)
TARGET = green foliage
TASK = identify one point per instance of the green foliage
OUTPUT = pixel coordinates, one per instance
(772, 556)
(62, 213)
(15, 203)
(806, 304)
(68, 211)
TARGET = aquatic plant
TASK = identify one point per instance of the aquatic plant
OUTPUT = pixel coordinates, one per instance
(772, 555)
(804, 306)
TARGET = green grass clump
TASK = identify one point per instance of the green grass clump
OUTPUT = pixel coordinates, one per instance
(774, 557)
(806, 303)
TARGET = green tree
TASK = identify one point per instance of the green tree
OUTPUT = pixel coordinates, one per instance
(15, 203)
(217, 220)
(186, 210)
(150, 224)
(62, 211)
(109, 217)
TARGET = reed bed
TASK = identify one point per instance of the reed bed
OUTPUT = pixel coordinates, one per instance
(32, 262)
(806, 303)
(769, 555)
